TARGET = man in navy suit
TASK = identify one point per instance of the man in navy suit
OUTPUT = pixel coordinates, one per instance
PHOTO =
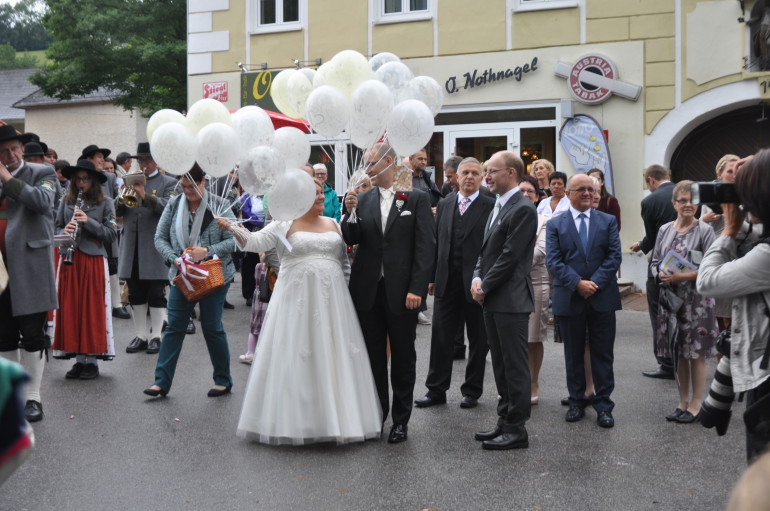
(389, 280)
(583, 255)
(460, 221)
(503, 286)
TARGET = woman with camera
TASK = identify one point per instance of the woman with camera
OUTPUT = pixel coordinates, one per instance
(744, 368)
(687, 326)
(84, 320)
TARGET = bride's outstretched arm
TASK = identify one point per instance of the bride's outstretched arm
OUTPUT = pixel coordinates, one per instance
(259, 241)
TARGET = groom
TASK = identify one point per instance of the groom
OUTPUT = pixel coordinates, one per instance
(389, 280)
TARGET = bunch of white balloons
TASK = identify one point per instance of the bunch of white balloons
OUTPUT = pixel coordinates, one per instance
(220, 141)
(367, 98)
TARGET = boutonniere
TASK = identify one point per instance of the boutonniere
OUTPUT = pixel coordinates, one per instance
(400, 200)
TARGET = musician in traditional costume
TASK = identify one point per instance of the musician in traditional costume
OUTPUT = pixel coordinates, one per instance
(84, 320)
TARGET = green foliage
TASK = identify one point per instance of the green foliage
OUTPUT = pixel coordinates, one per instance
(134, 47)
(9, 59)
(21, 26)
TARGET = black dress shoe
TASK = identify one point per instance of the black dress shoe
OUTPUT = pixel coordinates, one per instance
(74, 373)
(154, 346)
(33, 411)
(686, 418)
(155, 392)
(488, 435)
(120, 313)
(673, 416)
(397, 434)
(136, 345)
(659, 373)
(605, 420)
(517, 440)
(249, 301)
(429, 400)
(469, 402)
(228, 305)
(190, 327)
(219, 392)
(574, 414)
(90, 371)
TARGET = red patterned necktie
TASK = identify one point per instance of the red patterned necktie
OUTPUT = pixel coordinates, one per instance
(464, 203)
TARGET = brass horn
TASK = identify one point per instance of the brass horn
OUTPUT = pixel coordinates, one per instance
(128, 197)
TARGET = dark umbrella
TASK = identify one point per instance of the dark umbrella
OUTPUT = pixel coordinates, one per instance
(670, 301)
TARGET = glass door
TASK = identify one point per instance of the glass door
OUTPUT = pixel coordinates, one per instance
(480, 143)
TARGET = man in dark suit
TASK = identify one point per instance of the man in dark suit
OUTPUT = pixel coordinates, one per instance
(460, 221)
(503, 286)
(395, 234)
(657, 209)
(583, 255)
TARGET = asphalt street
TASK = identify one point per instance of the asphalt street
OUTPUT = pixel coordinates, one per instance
(104, 445)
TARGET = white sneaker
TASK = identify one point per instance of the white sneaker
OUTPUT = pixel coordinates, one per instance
(246, 359)
(422, 319)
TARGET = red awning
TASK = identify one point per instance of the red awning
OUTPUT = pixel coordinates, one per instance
(281, 121)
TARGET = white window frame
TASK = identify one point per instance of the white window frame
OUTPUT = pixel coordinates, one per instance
(379, 17)
(278, 26)
(541, 5)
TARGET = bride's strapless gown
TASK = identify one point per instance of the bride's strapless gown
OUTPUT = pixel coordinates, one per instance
(311, 380)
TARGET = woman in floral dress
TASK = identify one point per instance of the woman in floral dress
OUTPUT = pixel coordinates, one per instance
(691, 338)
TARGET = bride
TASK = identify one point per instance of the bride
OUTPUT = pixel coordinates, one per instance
(310, 380)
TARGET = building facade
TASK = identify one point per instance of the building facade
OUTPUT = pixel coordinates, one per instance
(674, 82)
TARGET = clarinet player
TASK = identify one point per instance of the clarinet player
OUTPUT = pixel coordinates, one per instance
(84, 319)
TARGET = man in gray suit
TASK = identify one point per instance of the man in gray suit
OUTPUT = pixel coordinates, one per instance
(139, 264)
(502, 285)
(26, 238)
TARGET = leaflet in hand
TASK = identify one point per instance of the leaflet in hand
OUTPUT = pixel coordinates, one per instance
(675, 263)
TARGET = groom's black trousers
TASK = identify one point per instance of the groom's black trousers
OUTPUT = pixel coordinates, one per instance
(380, 324)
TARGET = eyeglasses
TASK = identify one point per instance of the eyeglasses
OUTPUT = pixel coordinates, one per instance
(683, 201)
(83, 179)
(321, 174)
(583, 190)
(492, 172)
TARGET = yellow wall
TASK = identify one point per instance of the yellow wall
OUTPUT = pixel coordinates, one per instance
(234, 22)
(464, 30)
(278, 49)
(406, 40)
(538, 29)
(330, 33)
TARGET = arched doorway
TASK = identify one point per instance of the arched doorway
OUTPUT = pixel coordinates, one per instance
(742, 131)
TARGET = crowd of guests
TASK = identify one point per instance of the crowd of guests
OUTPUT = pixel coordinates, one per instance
(500, 247)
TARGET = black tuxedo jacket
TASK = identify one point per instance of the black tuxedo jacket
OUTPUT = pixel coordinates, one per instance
(505, 261)
(476, 215)
(405, 251)
(657, 209)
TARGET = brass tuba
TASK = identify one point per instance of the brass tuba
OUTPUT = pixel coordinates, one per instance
(127, 195)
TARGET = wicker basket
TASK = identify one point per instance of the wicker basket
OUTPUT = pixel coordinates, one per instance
(201, 279)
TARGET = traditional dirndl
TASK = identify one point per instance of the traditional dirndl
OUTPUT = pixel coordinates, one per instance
(83, 323)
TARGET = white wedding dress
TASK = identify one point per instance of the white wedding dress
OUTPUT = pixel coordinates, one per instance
(310, 380)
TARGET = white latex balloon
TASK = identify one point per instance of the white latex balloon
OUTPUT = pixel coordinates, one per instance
(162, 117)
(320, 75)
(260, 170)
(397, 77)
(370, 105)
(298, 88)
(328, 111)
(378, 60)
(309, 73)
(207, 111)
(362, 137)
(427, 90)
(293, 197)
(409, 126)
(218, 149)
(253, 126)
(348, 69)
(279, 92)
(173, 148)
(292, 145)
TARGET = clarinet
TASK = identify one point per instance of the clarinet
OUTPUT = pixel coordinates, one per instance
(75, 235)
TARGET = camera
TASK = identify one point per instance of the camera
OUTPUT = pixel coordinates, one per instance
(714, 193)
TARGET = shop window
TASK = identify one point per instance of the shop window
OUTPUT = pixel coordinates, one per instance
(540, 5)
(277, 15)
(399, 11)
